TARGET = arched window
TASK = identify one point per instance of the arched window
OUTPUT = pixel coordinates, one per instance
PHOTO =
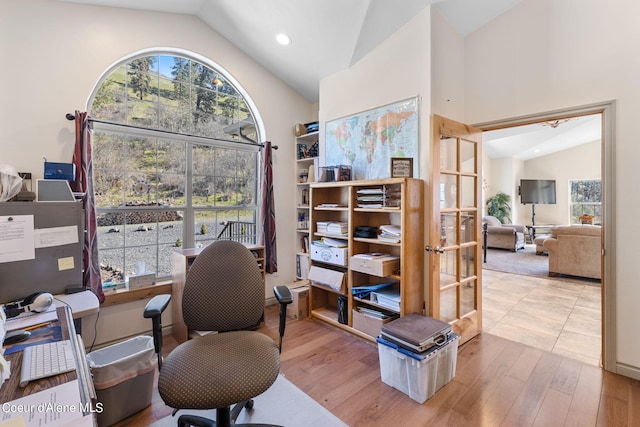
(175, 162)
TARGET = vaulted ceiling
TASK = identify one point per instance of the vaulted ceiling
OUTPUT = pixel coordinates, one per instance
(327, 35)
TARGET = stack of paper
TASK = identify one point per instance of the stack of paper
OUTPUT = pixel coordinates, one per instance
(337, 228)
(336, 243)
(390, 233)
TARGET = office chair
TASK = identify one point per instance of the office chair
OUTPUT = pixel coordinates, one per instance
(224, 292)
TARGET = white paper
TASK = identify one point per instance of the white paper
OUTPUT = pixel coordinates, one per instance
(56, 236)
(24, 320)
(16, 238)
(55, 406)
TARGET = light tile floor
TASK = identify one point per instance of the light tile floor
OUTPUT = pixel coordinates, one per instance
(561, 316)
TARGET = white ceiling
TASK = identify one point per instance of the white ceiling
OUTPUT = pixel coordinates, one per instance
(536, 140)
(329, 36)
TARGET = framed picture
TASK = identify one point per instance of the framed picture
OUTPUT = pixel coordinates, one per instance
(401, 167)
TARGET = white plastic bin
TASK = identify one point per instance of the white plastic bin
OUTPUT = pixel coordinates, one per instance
(123, 378)
(419, 376)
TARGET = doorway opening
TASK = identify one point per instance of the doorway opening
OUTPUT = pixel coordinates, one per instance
(562, 314)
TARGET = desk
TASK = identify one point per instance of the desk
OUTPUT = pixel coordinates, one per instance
(81, 304)
(10, 390)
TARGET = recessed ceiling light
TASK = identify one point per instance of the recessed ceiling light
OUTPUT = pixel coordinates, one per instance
(283, 39)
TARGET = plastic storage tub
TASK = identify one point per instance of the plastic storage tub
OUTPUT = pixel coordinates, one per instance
(123, 378)
(418, 375)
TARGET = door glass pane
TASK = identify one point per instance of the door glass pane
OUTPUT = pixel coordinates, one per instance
(448, 154)
(467, 297)
(468, 191)
(467, 262)
(448, 191)
(448, 230)
(448, 265)
(467, 227)
(448, 304)
(467, 156)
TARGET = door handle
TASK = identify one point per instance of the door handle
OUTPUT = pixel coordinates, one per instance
(431, 249)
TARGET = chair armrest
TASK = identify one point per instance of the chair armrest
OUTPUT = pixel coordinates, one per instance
(156, 306)
(518, 228)
(153, 310)
(283, 294)
(496, 229)
(284, 297)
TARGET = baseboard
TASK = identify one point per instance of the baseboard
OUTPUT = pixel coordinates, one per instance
(166, 330)
(628, 371)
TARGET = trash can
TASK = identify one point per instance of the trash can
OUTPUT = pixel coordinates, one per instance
(123, 378)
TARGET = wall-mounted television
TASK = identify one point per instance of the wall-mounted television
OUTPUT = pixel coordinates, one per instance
(538, 191)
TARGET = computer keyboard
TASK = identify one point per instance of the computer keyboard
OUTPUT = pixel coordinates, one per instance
(45, 360)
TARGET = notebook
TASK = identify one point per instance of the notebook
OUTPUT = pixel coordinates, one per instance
(416, 332)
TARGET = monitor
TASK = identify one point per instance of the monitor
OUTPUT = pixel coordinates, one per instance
(538, 191)
(54, 190)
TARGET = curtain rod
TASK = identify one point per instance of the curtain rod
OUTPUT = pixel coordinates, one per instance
(70, 116)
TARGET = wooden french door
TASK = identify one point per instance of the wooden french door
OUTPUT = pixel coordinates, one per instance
(455, 247)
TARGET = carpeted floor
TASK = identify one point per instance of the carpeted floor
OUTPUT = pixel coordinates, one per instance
(524, 262)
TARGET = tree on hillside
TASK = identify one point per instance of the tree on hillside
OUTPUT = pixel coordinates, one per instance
(139, 78)
(180, 72)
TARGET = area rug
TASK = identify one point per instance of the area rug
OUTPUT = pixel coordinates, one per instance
(524, 262)
(282, 404)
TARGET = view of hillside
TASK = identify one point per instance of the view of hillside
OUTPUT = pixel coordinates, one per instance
(141, 179)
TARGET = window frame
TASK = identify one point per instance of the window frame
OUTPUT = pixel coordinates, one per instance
(189, 211)
(597, 205)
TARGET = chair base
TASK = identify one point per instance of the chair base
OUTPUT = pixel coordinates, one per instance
(225, 417)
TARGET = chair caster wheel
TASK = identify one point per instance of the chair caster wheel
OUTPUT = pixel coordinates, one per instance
(249, 405)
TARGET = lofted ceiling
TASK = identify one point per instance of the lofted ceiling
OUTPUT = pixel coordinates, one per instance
(329, 36)
(536, 140)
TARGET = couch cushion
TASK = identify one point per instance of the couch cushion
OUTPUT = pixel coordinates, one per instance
(492, 221)
(580, 230)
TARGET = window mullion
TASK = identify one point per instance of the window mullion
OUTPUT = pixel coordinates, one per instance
(189, 214)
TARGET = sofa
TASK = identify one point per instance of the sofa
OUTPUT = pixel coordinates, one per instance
(575, 250)
(503, 236)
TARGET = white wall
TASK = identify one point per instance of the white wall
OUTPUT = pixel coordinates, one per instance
(544, 55)
(55, 52)
(399, 68)
(581, 162)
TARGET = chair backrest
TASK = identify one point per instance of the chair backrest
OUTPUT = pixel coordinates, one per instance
(224, 290)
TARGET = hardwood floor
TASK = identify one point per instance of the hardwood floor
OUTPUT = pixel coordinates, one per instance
(497, 382)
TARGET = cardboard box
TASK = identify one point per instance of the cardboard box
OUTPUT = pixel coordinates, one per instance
(299, 308)
(329, 254)
(370, 325)
(326, 277)
(381, 266)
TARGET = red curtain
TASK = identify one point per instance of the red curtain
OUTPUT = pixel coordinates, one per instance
(83, 183)
(268, 212)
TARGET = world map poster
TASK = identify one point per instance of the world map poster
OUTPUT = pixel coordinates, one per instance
(367, 141)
